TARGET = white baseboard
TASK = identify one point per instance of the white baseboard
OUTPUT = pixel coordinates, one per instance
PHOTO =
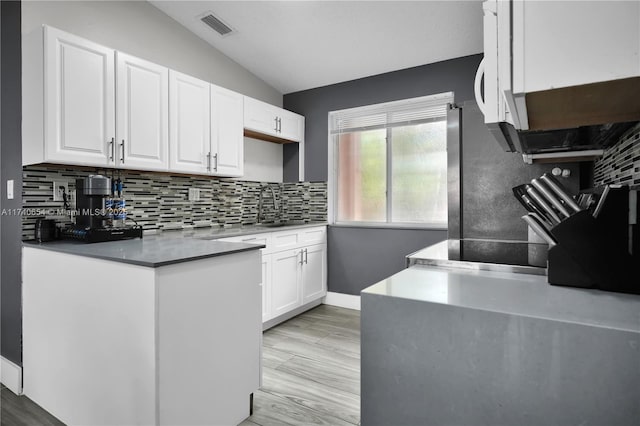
(11, 375)
(349, 301)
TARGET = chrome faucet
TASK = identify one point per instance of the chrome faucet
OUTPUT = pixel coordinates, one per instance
(261, 203)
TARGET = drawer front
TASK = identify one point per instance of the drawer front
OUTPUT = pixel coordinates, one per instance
(251, 239)
(283, 240)
(313, 235)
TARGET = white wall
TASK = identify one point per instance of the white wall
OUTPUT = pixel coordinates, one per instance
(138, 28)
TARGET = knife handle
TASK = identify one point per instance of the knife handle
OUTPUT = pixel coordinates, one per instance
(557, 188)
(549, 196)
(543, 204)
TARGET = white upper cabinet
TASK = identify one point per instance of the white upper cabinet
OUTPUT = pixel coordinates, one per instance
(189, 124)
(76, 91)
(291, 126)
(269, 120)
(551, 65)
(68, 100)
(205, 123)
(562, 43)
(142, 133)
(227, 140)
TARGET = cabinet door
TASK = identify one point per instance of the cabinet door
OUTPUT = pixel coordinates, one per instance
(285, 281)
(314, 278)
(291, 125)
(142, 105)
(266, 287)
(189, 120)
(227, 140)
(79, 99)
(260, 117)
(561, 44)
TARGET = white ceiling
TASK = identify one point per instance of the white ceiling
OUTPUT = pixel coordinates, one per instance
(298, 45)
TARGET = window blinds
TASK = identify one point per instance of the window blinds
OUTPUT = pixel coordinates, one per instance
(391, 114)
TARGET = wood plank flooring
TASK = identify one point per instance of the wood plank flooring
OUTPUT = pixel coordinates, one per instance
(21, 411)
(310, 375)
(311, 371)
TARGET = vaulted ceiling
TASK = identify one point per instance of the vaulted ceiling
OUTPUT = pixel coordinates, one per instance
(298, 45)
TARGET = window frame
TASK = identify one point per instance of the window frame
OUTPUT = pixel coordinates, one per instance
(332, 181)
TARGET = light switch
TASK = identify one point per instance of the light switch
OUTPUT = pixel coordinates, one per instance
(10, 189)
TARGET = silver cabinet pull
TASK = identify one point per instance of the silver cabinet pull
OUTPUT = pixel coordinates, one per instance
(301, 257)
(215, 158)
(276, 128)
(279, 124)
(209, 161)
(112, 148)
(122, 158)
(306, 256)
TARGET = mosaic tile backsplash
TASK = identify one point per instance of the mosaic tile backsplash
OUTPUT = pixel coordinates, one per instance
(160, 201)
(621, 162)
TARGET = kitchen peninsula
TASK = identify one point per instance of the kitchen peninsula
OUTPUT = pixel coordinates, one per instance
(162, 330)
(448, 345)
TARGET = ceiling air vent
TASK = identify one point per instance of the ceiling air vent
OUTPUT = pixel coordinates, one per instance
(217, 25)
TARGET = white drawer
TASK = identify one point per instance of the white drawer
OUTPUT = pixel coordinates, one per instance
(316, 235)
(283, 240)
(251, 239)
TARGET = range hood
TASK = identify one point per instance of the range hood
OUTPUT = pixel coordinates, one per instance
(583, 143)
(573, 123)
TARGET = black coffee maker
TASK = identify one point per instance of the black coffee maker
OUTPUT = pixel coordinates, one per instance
(93, 218)
(91, 193)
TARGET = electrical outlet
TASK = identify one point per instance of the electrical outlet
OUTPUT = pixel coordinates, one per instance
(57, 190)
(194, 194)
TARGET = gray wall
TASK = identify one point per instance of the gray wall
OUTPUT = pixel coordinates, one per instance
(455, 75)
(10, 168)
(359, 257)
(489, 209)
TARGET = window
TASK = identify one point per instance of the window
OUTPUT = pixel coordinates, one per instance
(389, 163)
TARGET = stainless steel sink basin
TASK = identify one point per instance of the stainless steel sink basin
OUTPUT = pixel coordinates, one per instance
(280, 224)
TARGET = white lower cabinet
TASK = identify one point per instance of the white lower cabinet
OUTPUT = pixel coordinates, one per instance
(294, 268)
(286, 293)
(314, 270)
(266, 287)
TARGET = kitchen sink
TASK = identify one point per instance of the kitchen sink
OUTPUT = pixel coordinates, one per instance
(280, 224)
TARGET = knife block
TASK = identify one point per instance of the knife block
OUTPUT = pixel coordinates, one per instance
(597, 253)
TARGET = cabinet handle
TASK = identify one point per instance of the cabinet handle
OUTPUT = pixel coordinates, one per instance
(306, 256)
(209, 161)
(301, 257)
(276, 128)
(112, 145)
(477, 88)
(122, 158)
(279, 124)
(215, 158)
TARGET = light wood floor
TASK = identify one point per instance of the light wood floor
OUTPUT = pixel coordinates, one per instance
(311, 371)
(310, 376)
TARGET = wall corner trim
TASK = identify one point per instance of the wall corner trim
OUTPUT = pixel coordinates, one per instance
(11, 375)
(349, 301)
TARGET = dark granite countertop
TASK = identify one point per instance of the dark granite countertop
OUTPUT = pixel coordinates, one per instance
(166, 248)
